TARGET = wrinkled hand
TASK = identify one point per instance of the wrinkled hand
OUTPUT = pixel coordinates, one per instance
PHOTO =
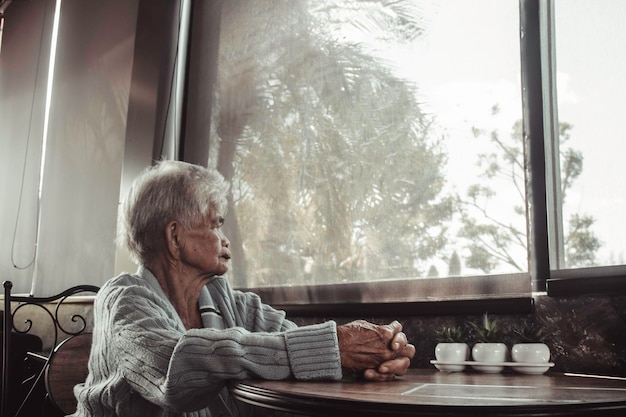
(388, 370)
(379, 352)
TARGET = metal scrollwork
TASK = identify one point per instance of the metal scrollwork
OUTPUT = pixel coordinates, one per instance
(45, 304)
(51, 306)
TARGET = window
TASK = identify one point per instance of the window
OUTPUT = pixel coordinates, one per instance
(376, 150)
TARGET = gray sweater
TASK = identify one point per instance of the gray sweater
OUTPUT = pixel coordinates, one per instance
(144, 362)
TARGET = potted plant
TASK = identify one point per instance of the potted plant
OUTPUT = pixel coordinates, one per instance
(489, 347)
(530, 346)
(451, 349)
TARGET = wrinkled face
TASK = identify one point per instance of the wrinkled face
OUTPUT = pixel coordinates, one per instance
(204, 248)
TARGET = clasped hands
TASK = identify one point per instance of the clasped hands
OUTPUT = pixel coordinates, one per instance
(377, 352)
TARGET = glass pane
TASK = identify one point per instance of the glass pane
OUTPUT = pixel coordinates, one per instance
(591, 63)
(370, 140)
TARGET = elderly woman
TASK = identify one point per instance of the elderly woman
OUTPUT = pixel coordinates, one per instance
(167, 338)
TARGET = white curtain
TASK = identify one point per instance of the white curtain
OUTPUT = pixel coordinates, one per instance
(84, 148)
(24, 61)
(115, 106)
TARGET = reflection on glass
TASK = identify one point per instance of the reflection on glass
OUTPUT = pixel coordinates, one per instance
(370, 140)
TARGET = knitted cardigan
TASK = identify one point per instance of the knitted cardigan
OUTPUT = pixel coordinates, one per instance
(144, 362)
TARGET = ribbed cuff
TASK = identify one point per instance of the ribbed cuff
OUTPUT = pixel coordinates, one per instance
(314, 351)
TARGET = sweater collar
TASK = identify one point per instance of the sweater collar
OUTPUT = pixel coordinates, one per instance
(209, 310)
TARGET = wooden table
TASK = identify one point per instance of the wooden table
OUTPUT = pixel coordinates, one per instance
(428, 392)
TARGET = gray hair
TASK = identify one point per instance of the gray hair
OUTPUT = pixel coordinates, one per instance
(169, 190)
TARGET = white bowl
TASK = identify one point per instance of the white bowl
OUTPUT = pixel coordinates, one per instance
(488, 353)
(451, 352)
(530, 353)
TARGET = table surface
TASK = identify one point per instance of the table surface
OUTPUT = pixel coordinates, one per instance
(429, 392)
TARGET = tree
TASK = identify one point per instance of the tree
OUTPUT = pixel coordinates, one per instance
(454, 265)
(329, 155)
(500, 238)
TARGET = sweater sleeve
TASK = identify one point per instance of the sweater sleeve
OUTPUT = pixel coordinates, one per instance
(176, 369)
(249, 311)
(312, 350)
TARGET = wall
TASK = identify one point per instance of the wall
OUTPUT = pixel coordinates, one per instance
(587, 334)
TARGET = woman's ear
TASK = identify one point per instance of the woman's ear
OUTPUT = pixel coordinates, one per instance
(172, 230)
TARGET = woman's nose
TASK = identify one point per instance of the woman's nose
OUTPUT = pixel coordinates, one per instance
(225, 241)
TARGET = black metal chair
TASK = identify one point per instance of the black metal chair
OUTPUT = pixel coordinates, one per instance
(18, 396)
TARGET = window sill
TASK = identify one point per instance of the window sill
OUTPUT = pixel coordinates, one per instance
(496, 294)
(518, 305)
(586, 281)
(565, 287)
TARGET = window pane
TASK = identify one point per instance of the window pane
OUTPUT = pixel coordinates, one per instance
(370, 140)
(591, 63)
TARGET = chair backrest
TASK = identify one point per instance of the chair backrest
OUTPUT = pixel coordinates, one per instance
(68, 367)
(60, 323)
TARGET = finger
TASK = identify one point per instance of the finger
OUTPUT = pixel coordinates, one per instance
(399, 341)
(408, 351)
(391, 330)
(396, 326)
(373, 375)
(396, 366)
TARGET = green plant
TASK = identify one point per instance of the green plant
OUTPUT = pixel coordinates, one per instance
(530, 332)
(453, 334)
(488, 331)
